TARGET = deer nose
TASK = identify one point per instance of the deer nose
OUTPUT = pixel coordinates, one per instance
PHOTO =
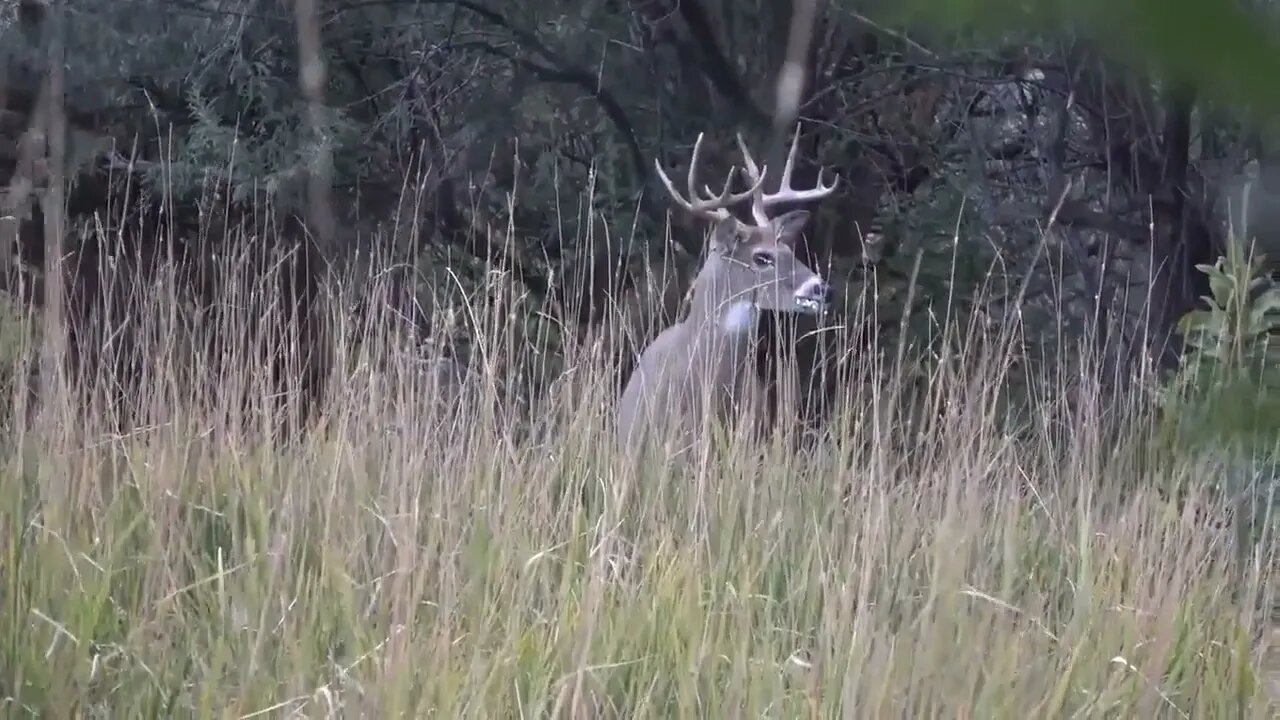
(814, 290)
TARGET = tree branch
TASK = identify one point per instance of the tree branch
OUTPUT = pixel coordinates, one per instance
(714, 66)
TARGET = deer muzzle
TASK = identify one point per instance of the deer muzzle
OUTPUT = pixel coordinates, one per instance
(814, 296)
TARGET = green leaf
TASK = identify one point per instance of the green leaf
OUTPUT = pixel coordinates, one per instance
(1264, 316)
(1222, 285)
(1199, 321)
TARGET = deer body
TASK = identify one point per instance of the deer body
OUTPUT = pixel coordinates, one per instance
(701, 370)
(698, 368)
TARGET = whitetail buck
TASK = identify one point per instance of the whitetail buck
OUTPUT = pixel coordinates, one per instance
(703, 368)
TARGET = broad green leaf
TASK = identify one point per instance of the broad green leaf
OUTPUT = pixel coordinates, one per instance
(1222, 285)
(1264, 315)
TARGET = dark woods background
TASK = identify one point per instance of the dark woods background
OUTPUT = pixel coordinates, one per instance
(1068, 162)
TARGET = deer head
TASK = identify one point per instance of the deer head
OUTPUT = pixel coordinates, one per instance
(753, 265)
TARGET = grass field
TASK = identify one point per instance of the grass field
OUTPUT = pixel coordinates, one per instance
(419, 559)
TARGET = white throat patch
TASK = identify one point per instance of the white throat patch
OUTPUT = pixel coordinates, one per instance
(739, 317)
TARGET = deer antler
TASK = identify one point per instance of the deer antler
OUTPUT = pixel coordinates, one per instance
(762, 201)
(712, 206)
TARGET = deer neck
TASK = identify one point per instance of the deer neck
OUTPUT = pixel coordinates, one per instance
(724, 314)
(720, 332)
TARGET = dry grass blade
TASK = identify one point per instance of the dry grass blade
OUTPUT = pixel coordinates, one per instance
(416, 553)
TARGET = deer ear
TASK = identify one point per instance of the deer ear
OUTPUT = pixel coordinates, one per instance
(788, 226)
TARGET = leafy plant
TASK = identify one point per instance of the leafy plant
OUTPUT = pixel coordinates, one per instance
(1230, 364)
(1225, 399)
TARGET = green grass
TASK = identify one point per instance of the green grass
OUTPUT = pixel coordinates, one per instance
(404, 561)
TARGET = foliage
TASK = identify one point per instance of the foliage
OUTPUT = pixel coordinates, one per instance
(1221, 48)
(272, 153)
(1224, 401)
(1228, 386)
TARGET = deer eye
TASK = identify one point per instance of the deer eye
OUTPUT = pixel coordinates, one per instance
(762, 258)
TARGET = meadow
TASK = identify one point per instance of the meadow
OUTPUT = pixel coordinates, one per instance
(421, 550)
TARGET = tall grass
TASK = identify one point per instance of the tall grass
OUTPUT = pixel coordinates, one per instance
(420, 551)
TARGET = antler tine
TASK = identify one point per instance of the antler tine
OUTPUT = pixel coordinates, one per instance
(725, 198)
(711, 205)
(753, 173)
(786, 193)
(755, 176)
(693, 167)
(666, 181)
